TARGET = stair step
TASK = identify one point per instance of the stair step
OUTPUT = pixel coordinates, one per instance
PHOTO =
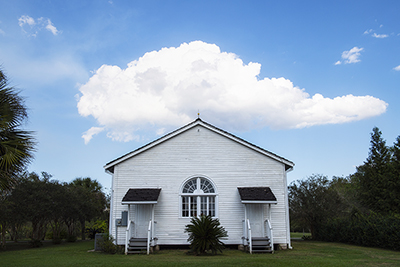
(260, 239)
(137, 247)
(261, 243)
(136, 252)
(138, 239)
(262, 251)
(132, 244)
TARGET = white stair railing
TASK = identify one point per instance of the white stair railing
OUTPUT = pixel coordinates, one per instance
(149, 238)
(128, 235)
(249, 242)
(270, 233)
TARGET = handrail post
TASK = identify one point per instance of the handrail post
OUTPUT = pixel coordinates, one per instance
(148, 238)
(127, 236)
(249, 236)
(270, 234)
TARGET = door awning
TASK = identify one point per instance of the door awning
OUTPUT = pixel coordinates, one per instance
(141, 196)
(256, 195)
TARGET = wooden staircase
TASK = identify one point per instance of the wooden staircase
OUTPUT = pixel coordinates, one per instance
(261, 245)
(137, 246)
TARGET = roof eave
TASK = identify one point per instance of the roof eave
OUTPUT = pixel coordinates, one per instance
(259, 202)
(138, 202)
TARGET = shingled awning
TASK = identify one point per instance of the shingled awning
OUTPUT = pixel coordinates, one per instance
(141, 196)
(257, 195)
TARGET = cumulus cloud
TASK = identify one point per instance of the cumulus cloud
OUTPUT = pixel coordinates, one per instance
(166, 88)
(351, 56)
(397, 68)
(32, 27)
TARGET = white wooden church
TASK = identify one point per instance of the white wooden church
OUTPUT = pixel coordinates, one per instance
(199, 169)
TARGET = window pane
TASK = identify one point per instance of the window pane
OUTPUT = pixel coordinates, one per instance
(203, 208)
(206, 186)
(193, 206)
(185, 206)
(211, 206)
(190, 186)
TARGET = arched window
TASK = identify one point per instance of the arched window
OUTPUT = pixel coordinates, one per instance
(198, 197)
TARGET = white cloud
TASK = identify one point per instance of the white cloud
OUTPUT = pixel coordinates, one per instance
(381, 36)
(166, 88)
(50, 27)
(368, 31)
(338, 62)
(88, 135)
(397, 68)
(36, 26)
(351, 56)
(26, 20)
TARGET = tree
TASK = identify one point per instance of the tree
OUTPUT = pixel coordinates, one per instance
(313, 201)
(374, 178)
(205, 234)
(33, 201)
(92, 200)
(16, 146)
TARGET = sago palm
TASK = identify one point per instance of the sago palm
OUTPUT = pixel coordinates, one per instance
(16, 146)
(205, 234)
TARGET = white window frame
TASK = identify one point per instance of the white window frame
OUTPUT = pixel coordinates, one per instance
(198, 194)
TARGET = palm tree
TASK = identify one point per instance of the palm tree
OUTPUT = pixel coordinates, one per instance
(16, 145)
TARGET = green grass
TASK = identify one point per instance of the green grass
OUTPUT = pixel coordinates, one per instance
(304, 253)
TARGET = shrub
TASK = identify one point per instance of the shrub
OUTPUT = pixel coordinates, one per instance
(35, 243)
(71, 238)
(106, 243)
(364, 229)
(99, 226)
(205, 234)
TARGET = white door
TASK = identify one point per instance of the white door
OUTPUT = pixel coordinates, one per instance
(142, 218)
(255, 215)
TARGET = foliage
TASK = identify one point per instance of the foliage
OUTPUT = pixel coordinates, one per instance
(312, 201)
(205, 234)
(364, 209)
(49, 204)
(99, 226)
(365, 229)
(106, 243)
(16, 145)
(377, 179)
(92, 201)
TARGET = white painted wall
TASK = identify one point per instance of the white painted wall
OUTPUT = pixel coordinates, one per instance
(200, 151)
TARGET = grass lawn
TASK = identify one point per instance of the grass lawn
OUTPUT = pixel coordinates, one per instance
(304, 253)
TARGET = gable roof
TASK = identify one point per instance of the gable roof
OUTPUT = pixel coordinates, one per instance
(141, 196)
(256, 195)
(109, 167)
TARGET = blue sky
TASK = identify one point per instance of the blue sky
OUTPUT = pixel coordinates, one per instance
(307, 80)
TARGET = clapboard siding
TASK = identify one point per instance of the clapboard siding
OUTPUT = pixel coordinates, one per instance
(200, 151)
